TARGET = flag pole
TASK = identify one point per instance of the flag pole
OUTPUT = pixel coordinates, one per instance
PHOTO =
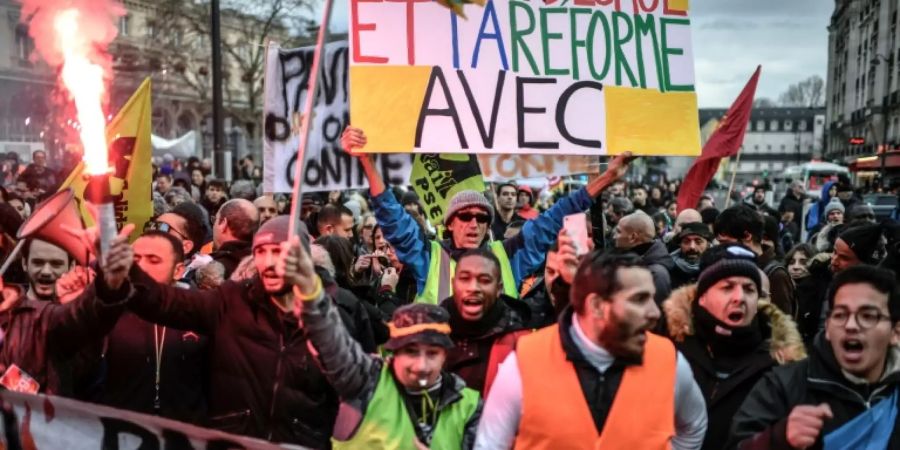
(311, 94)
(737, 162)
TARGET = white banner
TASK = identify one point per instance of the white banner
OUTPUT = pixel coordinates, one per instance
(327, 166)
(45, 422)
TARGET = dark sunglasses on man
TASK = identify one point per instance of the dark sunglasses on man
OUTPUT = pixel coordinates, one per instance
(467, 217)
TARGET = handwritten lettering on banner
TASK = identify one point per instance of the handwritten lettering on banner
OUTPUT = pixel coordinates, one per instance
(327, 166)
(47, 423)
(552, 76)
(504, 167)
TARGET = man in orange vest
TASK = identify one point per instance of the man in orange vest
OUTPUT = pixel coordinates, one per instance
(598, 378)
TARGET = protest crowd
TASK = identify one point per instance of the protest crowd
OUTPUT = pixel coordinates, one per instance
(506, 326)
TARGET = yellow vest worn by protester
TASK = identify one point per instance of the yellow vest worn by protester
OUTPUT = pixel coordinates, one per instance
(441, 268)
(555, 415)
(387, 425)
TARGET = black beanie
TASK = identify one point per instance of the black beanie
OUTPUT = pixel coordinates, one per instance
(723, 261)
(863, 240)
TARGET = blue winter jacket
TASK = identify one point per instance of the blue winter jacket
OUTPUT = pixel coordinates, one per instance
(817, 210)
(527, 250)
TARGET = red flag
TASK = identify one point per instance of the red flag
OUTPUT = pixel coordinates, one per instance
(725, 141)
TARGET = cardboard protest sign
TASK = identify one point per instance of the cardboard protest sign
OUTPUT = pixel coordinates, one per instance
(503, 167)
(128, 135)
(554, 76)
(47, 422)
(327, 166)
(436, 178)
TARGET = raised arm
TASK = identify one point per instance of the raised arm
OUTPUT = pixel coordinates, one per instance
(343, 362)
(527, 253)
(183, 309)
(400, 229)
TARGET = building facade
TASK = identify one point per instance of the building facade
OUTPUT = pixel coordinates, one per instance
(776, 138)
(170, 50)
(862, 88)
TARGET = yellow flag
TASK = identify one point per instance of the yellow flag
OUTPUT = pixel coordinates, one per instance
(128, 136)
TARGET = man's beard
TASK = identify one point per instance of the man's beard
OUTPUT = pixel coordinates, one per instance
(612, 337)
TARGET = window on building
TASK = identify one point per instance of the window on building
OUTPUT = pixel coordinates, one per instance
(773, 125)
(769, 147)
(756, 148)
(801, 125)
(783, 148)
(788, 125)
(151, 29)
(760, 125)
(24, 43)
(124, 25)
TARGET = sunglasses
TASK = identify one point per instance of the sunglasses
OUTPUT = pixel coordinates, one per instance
(467, 217)
(165, 228)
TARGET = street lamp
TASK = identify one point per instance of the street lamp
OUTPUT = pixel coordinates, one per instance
(889, 63)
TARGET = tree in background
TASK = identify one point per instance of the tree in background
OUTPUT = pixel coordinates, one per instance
(181, 39)
(809, 93)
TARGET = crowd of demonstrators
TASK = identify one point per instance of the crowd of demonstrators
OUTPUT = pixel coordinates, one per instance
(497, 328)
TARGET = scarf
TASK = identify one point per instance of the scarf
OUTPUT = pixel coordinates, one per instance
(476, 329)
(725, 340)
(684, 265)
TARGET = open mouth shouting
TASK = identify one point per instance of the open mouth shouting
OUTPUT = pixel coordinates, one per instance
(735, 317)
(471, 308)
(852, 350)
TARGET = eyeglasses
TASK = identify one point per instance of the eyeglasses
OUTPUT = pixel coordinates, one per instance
(865, 317)
(467, 217)
(165, 228)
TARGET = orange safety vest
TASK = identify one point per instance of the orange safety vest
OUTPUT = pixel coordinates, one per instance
(555, 414)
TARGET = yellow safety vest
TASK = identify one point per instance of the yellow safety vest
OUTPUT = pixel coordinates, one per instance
(438, 286)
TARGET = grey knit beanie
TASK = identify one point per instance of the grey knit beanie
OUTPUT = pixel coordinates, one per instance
(466, 199)
(833, 205)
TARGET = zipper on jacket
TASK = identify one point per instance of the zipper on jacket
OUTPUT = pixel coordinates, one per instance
(241, 413)
(276, 385)
(857, 394)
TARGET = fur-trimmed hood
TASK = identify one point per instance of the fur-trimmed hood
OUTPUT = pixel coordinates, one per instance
(785, 343)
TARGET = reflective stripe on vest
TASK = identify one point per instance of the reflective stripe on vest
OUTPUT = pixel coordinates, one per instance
(439, 285)
(387, 425)
(556, 415)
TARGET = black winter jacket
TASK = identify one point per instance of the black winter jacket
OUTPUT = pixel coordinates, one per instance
(761, 422)
(473, 341)
(263, 380)
(723, 392)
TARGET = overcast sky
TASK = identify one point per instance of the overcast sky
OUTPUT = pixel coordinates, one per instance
(788, 37)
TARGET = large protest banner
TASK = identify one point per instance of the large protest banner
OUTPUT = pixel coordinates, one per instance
(39, 422)
(551, 76)
(128, 135)
(327, 166)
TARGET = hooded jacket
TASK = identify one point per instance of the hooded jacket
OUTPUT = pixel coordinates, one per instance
(780, 344)
(761, 422)
(816, 213)
(474, 341)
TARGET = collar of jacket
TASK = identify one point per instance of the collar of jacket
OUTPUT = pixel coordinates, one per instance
(507, 314)
(232, 247)
(785, 342)
(568, 344)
